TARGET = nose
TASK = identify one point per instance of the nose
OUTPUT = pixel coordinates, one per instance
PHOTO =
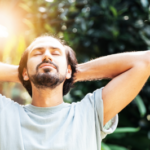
(47, 56)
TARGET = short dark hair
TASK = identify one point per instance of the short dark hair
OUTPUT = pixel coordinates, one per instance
(71, 60)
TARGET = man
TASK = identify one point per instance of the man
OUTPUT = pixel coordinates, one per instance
(47, 70)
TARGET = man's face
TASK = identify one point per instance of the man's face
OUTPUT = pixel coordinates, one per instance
(47, 64)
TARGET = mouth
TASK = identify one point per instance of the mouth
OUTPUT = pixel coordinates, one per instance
(47, 65)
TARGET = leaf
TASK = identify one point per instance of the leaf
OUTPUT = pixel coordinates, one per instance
(127, 129)
(140, 104)
(28, 23)
(25, 7)
(67, 98)
(116, 147)
(116, 135)
(104, 4)
(145, 39)
(113, 10)
(115, 33)
(104, 146)
(48, 28)
(78, 93)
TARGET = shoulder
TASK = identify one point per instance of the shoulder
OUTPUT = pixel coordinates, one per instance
(92, 98)
(7, 103)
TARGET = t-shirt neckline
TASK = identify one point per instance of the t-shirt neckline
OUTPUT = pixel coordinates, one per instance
(45, 110)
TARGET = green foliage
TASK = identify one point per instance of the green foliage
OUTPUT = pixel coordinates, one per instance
(98, 28)
(95, 28)
(115, 147)
(126, 130)
(112, 147)
(141, 106)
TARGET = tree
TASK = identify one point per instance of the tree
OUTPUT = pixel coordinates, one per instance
(94, 29)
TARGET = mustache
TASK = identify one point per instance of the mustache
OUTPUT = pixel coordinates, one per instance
(47, 61)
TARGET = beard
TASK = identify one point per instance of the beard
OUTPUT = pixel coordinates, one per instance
(47, 79)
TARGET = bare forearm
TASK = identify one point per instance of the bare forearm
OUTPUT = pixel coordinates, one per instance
(110, 66)
(8, 73)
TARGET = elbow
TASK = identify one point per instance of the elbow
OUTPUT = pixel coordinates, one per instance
(147, 58)
(144, 59)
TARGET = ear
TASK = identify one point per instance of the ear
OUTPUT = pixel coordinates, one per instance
(69, 72)
(25, 74)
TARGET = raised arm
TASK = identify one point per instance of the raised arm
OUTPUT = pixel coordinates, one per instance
(8, 73)
(129, 72)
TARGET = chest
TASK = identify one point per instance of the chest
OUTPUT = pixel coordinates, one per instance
(58, 132)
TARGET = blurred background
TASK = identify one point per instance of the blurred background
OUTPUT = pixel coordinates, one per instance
(93, 28)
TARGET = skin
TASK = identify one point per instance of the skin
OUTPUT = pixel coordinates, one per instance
(129, 72)
(47, 48)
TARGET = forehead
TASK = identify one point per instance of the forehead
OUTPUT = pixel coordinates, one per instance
(44, 42)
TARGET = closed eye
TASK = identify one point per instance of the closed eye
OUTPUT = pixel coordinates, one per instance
(55, 53)
(36, 54)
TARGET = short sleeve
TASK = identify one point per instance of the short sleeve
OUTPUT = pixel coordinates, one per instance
(92, 103)
(111, 125)
(4, 102)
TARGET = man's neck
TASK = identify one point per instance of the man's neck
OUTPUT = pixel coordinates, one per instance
(47, 97)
